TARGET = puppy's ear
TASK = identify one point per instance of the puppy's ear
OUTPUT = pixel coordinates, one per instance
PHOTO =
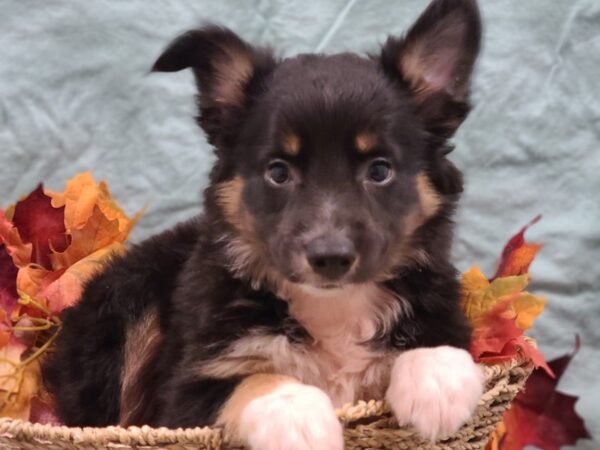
(435, 61)
(228, 72)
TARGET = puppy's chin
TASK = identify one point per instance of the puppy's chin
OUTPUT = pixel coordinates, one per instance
(326, 290)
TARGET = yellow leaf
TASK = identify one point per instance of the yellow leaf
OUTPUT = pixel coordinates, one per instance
(16, 404)
(527, 307)
(10, 362)
(504, 286)
(479, 296)
(473, 287)
(474, 280)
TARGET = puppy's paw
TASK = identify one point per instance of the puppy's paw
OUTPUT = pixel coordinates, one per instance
(292, 417)
(435, 389)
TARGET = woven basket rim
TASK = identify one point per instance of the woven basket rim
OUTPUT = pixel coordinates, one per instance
(146, 435)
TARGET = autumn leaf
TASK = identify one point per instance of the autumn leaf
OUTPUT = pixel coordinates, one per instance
(81, 196)
(19, 251)
(498, 339)
(98, 232)
(543, 416)
(18, 382)
(32, 282)
(8, 293)
(42, 225)
(10, 358)
(4, 328)
(527, 308)
(17, 404)
(517, 254)
(50, 245)
(479, 297)
(497, 437)
(96, 228)
(67, 289)
(8, 283)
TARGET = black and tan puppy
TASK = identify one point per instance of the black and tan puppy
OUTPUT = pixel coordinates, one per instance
(318, 274)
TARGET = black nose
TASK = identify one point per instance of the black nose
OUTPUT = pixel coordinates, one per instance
(331, 257)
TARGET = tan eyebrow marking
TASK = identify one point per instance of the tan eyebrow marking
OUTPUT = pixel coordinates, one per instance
(365, 142)
(291, 144)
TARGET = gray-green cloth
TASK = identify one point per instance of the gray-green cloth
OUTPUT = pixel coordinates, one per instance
(76, 95)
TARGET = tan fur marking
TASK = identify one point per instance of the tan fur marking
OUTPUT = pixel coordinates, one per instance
(243, 248)
(411, 66)
(429, 198)
(232, 75)
(254, 386)
(141, 343)
(229, 197)
(365, 142)
(429, 204)
(428, 71)
(291, 144)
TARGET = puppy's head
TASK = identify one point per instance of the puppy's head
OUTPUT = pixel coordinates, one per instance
(332, 170)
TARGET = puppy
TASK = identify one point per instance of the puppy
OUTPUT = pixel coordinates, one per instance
(319, 272)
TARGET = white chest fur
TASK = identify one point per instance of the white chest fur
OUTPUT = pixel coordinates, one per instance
(341, 321)
(338, 360)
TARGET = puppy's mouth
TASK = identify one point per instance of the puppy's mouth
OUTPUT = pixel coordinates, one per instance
(315, 284)
(325, 290)
(328, 286)
(312, 280)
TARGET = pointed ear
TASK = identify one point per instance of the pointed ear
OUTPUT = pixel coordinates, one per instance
(435, 61)
(226, 70)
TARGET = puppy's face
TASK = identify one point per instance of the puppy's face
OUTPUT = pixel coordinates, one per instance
(331, 176)
(329, 166)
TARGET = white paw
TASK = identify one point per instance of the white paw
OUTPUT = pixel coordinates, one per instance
(435, 389)
(292, 417)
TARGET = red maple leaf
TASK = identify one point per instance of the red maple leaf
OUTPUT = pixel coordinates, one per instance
(541, 415)
(42, 225)
(498, 339)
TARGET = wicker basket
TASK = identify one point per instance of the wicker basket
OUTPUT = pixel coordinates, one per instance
(367, 425)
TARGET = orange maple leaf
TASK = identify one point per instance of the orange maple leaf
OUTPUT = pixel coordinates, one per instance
(19, 251)
(97, 233)
(80, 198)
(517, 254)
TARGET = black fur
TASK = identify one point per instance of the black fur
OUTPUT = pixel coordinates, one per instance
(84, 372)
(208, 295)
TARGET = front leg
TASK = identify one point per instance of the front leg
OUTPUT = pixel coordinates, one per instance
(275, 412)
(435, 389)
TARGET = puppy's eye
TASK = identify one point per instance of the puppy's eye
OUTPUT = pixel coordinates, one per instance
(380, 171)
(278, 173)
